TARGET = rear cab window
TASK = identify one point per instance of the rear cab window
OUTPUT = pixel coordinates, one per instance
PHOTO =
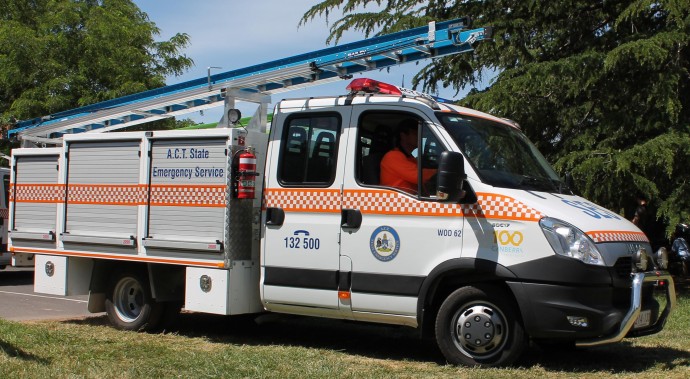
(308, 151)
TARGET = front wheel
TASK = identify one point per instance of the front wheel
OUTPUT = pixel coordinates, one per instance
(129, 303)
(478, 327)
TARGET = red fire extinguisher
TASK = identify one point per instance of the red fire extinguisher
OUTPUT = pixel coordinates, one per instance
(246, 172)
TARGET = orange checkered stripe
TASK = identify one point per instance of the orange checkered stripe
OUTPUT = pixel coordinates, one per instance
(321, 201)
(189, 196)
(490, 205)
(106, 194)
(126, 195)
(617, 236)
(395, 203)
(37, 193)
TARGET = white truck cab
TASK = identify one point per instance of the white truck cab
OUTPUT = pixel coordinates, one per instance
(501, 252)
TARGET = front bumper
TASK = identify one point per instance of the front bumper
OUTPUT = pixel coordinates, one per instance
(610, 311)
(633, 313)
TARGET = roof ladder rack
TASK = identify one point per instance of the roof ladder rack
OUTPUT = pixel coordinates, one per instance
(300, 71)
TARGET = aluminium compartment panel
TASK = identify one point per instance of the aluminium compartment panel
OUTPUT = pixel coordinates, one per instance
(103, 190)
(35, 194)
(188, 193)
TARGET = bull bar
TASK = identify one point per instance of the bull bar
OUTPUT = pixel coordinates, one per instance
(638, 279)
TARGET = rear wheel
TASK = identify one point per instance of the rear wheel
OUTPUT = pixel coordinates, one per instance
(129, 303)
(479, 327)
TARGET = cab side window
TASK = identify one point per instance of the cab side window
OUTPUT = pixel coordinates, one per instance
(309, 150)
(382, 132)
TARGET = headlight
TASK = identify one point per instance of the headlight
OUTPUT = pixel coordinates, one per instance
(570, 241)
(640, 260)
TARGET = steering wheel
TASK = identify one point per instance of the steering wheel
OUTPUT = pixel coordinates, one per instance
(429, 187)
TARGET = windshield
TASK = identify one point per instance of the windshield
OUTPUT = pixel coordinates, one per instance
(501, 154)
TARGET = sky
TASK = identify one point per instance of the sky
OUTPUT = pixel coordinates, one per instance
(233, 34)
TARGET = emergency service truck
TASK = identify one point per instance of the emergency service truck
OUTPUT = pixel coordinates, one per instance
(492, 251)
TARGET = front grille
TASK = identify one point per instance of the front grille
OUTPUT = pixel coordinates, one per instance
(623, 267)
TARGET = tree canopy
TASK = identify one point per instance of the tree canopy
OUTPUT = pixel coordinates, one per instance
(61, 54)
(601, 86)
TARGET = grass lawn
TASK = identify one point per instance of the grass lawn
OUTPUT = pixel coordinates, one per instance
(279, 346)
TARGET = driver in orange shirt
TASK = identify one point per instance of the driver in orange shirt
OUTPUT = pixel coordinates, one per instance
(398, 166)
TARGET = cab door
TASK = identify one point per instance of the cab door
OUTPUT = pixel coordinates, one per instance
(402, 235)
(302, 204)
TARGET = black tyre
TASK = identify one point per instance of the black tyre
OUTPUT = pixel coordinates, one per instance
(479, 327)
(129, 304)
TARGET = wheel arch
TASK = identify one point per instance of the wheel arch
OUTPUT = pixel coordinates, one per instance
(451, 275)
(100, 278)
(166, 282)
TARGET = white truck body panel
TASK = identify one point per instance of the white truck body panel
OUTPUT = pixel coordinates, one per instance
(233, 291)
(160, 197)
(63, 276)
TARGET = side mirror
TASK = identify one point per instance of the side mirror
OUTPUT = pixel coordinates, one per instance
(450, 177)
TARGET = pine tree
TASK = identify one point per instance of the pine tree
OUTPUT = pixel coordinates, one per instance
(602, 87)
(61, 54)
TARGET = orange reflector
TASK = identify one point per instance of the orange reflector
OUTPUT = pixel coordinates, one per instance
(344, 295)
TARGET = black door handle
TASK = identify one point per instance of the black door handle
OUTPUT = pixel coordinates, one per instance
(275, 216)
(351, 218)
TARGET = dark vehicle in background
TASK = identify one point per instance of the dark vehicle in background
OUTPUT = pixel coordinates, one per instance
(679, 258)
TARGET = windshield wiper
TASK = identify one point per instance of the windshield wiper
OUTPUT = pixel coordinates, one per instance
(546, 184)
(562, 186)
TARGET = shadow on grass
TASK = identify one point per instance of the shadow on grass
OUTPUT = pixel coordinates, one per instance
(14, 352)
(375, 341)
(618, 358)
(401, 343)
